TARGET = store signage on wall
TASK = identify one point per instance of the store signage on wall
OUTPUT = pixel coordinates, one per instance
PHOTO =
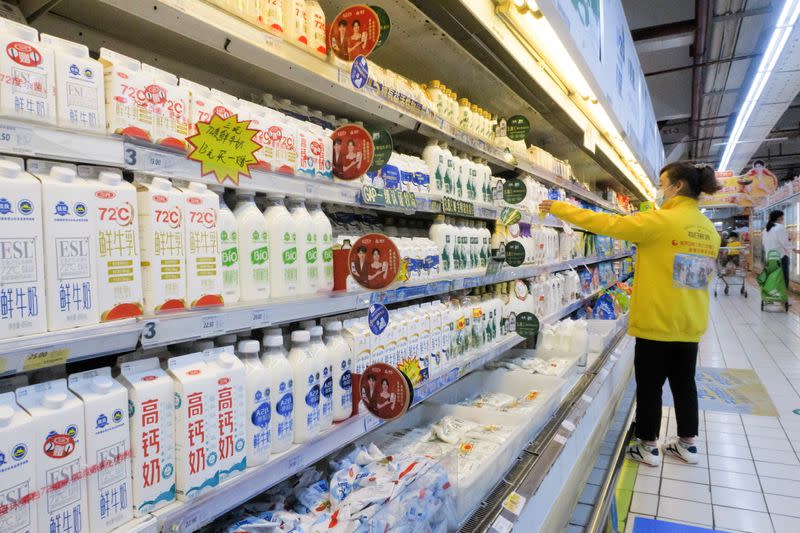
(224, 147)
(353, 152)
(374, 261)
(354, 32)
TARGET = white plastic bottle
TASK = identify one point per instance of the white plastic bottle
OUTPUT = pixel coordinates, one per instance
(315, 29)
(306, 372)
(307, 251)
(253, 248)
(229, 248)
(433, 155)
(281, 387)
(341, 357)
(450, 171)
(283, 259)
(320, 352)
(259, 403)
(439, 234)
(324, 232)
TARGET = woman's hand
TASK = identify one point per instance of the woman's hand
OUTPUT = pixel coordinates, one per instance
(545, 206)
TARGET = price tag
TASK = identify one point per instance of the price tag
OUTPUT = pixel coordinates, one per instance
(296, 462)
(494, 267)
(603, 373)
(150, 333)
(212, 325)
(613, 358)
(259, 318)
(44, 358)
(515, 502)
(16, 139)
(586, 398)
(560, 439)
(502, 524)
(569, 426)
(371, 422)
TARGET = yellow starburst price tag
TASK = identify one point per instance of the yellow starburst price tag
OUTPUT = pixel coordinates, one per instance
(224, 147)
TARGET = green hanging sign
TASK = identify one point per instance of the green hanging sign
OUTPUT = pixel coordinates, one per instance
(383, 148)
(527, 325)
(514, 191)
(515, 253)
(518, 127)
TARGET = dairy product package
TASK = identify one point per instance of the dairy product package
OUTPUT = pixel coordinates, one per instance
(316, 31)
(295, 22)
(162, 245)
(21, 252)
(196, 433)
(253, 248)
(231, 404)
(151, 412)
(70, 226)
(18, 470)
(229, 248)
(117, 243)
(28, 88)
(59, 447)
(203, 104)
(227, 105)
(79, 85)
(201, 237)
(169, 104)
(127, 108)
(105, 405)
(259, 121)
(280, 143)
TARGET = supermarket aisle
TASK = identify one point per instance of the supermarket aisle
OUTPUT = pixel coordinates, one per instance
(748, 478)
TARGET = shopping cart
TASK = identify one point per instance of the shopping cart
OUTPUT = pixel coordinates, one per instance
(731, 270)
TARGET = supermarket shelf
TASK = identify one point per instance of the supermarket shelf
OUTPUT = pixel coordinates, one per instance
(181, 517)
(789, 199)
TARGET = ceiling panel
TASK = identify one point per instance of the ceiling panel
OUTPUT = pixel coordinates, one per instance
(657, 12)
(665, 59)
(781, 87)
(671, 94)
(766, 115)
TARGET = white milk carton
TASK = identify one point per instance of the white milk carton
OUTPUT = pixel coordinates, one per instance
(127, 109)
(169, 103)
(196, 432)
(151, 412)
(21, 252)
(280, 147)
(162, 245)
(80, 91)
(119, 262)
(70, 230)
(202, 103)
(201, 234)
(357, 335)
(227, 105)
(259, 121)
(17, 468)
(231, 410)
(28, 88)
(59, 444)
(105, 407)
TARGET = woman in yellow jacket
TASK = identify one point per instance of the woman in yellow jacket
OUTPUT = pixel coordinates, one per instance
(676, 251)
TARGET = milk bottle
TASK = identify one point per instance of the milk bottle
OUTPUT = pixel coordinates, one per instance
(59, 447)
(18, 470)
(162, 237)
(259, 403)
(323, 356)
(69, 247)
(196, 433)
(151, 412)
(105, 406)
(229, 248)
(307, 251)
(280, 383)
(295, 22)
(22, 252)
(127, 109)
(117, 244)
(315, 29)
(253, 248)
(306, 375)
(341, 357)
(201, 234)
(434, 159)
(322, 228)
(428, 346)
(284, 263)
(440, 234)
(81, 100)
(28, 90)
(231, 407)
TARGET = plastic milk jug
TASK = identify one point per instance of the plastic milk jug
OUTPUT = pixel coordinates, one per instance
(69, 247)
(18, 470)
(28, 90)
(229, 248)
(21, 252)
(306, 372)
(127, 109)
(320, 352)
(307, 251)
(162, 241)
(151, 412)
(196, 433)
(117, 245)
(324, 232)
(280, 384)
(253, 248)
(341, 357)
(284, 263)
(59, 449)
(80, 101)
(201, 238)
(259, 403)
(105, 409)
(169, 104)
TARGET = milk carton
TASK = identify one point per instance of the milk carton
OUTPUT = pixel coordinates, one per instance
(196, 420)
(281, 143)
(70, 230)
(105, 405)
(28, 88)
(201, 103)
(201, 234)
(21, 253)
(257, 115)
(162, 245)
(227, 105)
(357, 336)
(231, 406)
(117, 243)
(17, 467)
(127, 109)
(80, 100)
(59, 448)
(151, 412)
(169, 103)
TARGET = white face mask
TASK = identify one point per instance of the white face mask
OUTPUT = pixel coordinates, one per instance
(661, 197)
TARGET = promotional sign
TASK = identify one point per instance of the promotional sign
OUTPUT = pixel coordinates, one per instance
(353, 152)
(745, 190)
(509, 216)
(518, 127)
(527, 325)
(355, 31)
(515, 254)
(386, 25)
(385, 391)
(388, 198)
(514, 191)
(374, 261)
(378, 318)
(452, 206)
(224, 147)
(383, 148)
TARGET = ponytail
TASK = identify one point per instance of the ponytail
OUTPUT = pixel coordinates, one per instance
(773, 218)
(693, 179)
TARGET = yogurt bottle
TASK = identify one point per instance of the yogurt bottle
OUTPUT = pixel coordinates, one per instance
(324, 232)
(229, 248)
(284, 263)
(259, 403)
(281, 386)
(307, 251)
(341, 357)
(254, 248)
(18, 471)
(306, 374)
(320, 352)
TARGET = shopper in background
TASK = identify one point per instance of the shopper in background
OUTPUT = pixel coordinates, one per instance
(775, 239)
(676, 251)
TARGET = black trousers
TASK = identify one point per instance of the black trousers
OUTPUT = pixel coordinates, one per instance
(655, 362)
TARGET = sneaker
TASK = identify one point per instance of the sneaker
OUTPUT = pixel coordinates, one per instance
(686, 452)
(649, 455)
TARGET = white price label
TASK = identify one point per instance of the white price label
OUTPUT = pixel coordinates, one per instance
(586, 398)
(16, 139)
(371, 422)
(259, 318)
(212, 325)
(296, 462)
(569, 426)
(150, 333)
(560, 439)
(502, 524)
(613, 358)
(603, 373)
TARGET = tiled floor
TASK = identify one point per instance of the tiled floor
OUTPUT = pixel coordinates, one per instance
(748, 478)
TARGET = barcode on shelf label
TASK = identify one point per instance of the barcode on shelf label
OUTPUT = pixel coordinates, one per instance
(259, 318)
(212, 324)
(16, 139)
(569, 426)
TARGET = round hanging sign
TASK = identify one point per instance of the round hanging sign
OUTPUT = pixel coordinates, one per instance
(385, 391)
(374, 261)
(353, 151)
(355, 31)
